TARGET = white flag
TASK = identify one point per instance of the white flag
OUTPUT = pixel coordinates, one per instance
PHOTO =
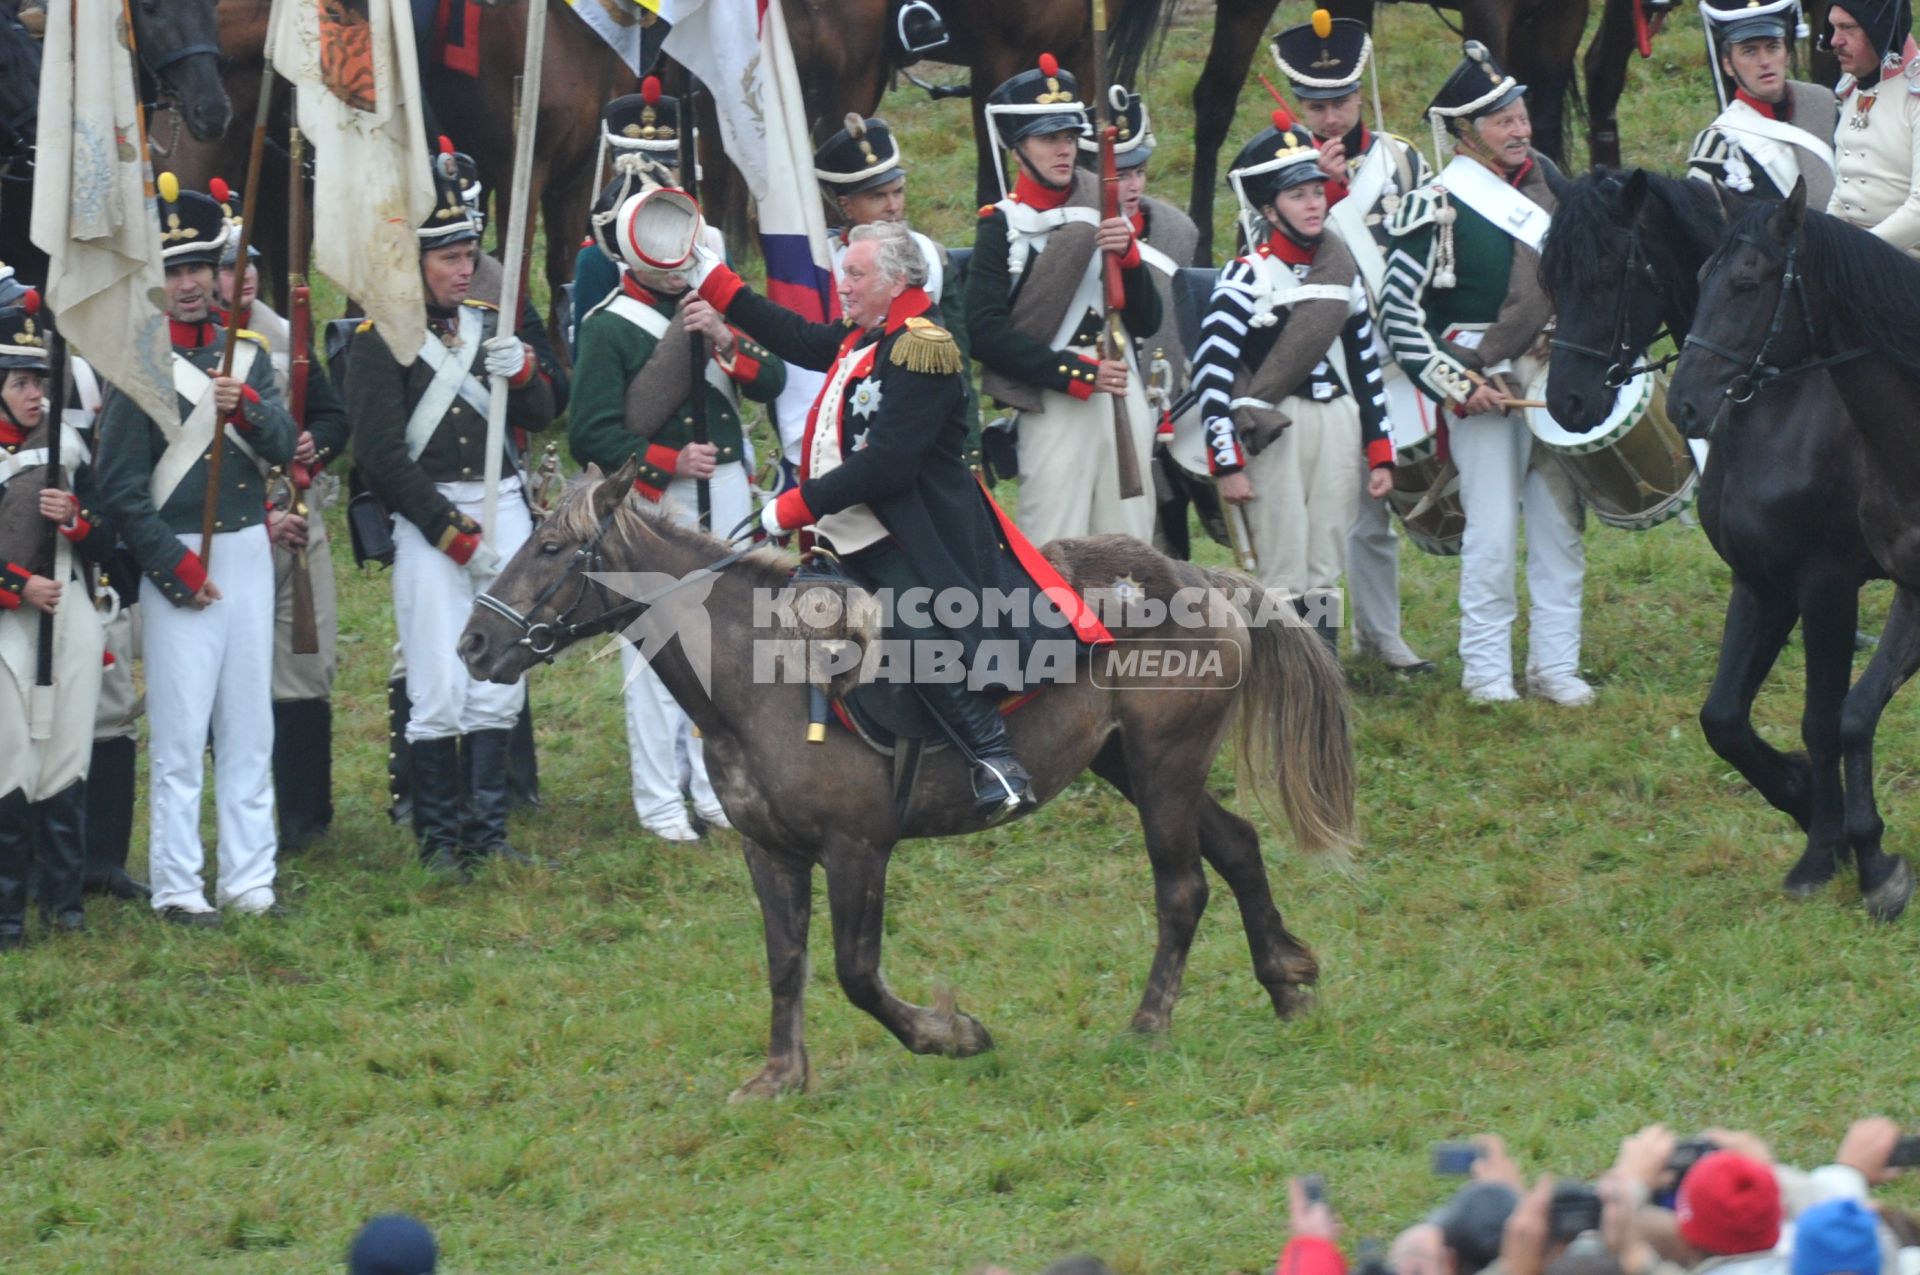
(93, 210)
(357, 83)
(619, 23)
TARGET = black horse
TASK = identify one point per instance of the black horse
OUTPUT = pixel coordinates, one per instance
(1777, 499)
(1787, 295)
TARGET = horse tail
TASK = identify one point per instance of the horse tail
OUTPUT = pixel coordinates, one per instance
(1292, 733)
(1140, 28)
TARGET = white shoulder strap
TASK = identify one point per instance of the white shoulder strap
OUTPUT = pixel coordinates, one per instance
(655, 325)
(452, 377)
(187, 443)
(1509, 210)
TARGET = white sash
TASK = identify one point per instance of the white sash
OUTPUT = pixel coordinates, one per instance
(1770, 142)
(452, 378)
(1349, 216)
(187, 444)
(1474, 185)
(73, 454)
(655, 325)
(1280, 286)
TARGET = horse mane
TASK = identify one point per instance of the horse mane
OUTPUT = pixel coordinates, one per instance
(634, 519)
(1875, 287)
(1589, 232)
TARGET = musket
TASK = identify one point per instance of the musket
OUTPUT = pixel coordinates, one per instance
(306, 625)
(697, 407)
(211, 507)
(1114, 293)
(40, 701)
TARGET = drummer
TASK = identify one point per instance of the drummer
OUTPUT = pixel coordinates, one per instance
(1774, 131)
(1367, 174)
(1290, 390)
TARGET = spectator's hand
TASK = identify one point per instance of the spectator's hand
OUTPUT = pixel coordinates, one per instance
(288, 530)
(58, 505)
(1115, 236)
(1867, 1147)
(1309, 1218)
(1523, 1244)
(42, 594)
(1236, 488)
(226, 395)
(696, 461)
(1494, 1164)
(701, 318)
(305, 452)
(1620, 1199)
(1112, 376)
(208, 595)
(1746, 1144)
(1379, 482)
(1643, 1157)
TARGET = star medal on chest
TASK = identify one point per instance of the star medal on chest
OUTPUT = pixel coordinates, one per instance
(865, 398)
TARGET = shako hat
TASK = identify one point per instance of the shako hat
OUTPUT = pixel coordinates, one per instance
(451, 221)
(1323, 58)
(23, 332)
(1132, 131)
(193, 228)
(861, 156)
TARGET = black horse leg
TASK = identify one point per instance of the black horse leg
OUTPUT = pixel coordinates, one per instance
(1171, 822)
(1886, 881)
(1829, 615)
(1282, 963)
(1757, 627)
(785, 887)
(1236, 39)
(857, 898)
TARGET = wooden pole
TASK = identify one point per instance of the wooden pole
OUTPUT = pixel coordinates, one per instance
(1114, 294)
(510, 284)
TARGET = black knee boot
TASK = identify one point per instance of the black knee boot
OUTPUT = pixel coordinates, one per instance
(399, 752)
(436, 805)
(523, 764)
(489, 796)
(109, 819)
(16, 857)
(1001, 785)
(302, 771)
(60, 841)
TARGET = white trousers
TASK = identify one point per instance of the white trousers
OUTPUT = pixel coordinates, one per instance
(663, 752)
(1303, 496)
(1373, 574)
(212, 669)
(1501, 474)
(1069, 480)
(432, 600)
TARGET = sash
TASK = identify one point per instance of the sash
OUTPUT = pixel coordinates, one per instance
(1349, 216)
(855, 527)
(1279, 286)
(1474, 185)
(452, 378)
(73, 454)
(187, 444)
(1769, 141)
(655, 325)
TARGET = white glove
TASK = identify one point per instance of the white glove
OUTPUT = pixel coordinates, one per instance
(506, 355)
(702, 263)
(484, 565)
(770, 519)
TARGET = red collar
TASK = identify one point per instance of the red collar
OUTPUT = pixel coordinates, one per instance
(11, 435)
(227, 318)
(1139, 222)
(631, 286)
(190, 335)
(1036, 194)
(1781, 110)
(1279, 245)
(1519, 174)
(908, 305)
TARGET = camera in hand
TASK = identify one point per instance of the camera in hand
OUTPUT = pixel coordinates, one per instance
(1314, 1187)
(1906, 1152)
(1573, 1211)
(1454, 1159)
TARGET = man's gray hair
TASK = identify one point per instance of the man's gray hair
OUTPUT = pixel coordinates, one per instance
(899, 258)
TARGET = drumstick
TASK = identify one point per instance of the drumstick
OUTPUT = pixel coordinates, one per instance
(1524, 402)
(1507, 401)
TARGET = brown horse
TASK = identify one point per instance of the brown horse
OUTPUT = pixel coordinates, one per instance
(799, 805)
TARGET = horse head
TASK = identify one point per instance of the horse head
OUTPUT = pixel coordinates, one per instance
(544, 598)
(1754, 315)
(179, 44)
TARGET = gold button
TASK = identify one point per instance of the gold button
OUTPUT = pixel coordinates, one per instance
(463, 440)
(219, 526)
(456, 409)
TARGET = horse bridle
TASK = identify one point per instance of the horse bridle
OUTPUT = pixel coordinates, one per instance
(157, 66)
(1759, 373)
(545, 638)
(1619, 357)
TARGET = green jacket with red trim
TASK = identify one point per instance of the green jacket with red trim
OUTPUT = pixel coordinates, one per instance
(612, 352)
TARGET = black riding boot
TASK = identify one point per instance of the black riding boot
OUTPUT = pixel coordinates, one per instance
(1001, 785)
(399, 752)
(488, 797)
(109, 820)
(436, 806)
(16, 857)
(60, 842)
(303, 771)
(523, 764)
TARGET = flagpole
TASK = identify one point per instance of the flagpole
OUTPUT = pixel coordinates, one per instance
(517, 221)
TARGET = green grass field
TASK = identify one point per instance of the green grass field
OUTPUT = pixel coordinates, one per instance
(1560, 926)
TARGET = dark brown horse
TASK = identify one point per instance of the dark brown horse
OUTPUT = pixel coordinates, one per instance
(798, 805)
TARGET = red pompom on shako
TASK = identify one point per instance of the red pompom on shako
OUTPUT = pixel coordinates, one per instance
(1282, 119)
(446, 144)
(31, 301)
(1049, 64)
(650, 90)
(219, 189)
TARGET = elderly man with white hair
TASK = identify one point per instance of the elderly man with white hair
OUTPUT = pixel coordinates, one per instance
(883, 482)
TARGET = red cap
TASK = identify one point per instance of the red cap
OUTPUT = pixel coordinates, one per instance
(650, 89)
(1049, 64)
(1729, 1204)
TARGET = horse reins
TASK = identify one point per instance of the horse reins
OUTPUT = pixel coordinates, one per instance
(545, 638)
(1619, 357)
(1759, 373)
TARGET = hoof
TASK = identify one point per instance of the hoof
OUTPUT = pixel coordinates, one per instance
(1145, 1024)
(1886, 901)
(1291, 999)
(771, 1082)
(1811, 875)
(958, 1035)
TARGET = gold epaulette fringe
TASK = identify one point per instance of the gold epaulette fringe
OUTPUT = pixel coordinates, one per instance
(927, 347)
